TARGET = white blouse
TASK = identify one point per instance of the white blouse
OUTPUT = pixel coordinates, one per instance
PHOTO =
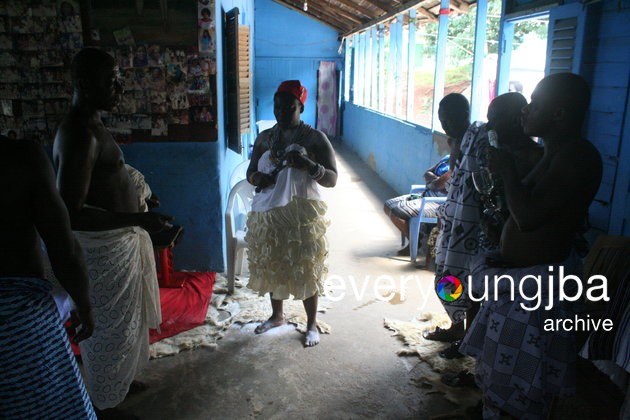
(290, 182)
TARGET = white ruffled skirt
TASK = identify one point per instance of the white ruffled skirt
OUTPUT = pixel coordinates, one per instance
(287, 249)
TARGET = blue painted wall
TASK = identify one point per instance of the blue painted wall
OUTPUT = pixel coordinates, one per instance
(191, 179)
(398, 151)
(289, 45)
(606, 65)
(186, 178)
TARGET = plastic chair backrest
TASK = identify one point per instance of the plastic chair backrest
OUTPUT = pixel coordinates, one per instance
(239, 203)
(239, 173)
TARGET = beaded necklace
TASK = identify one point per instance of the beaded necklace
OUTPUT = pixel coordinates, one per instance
(277, 143)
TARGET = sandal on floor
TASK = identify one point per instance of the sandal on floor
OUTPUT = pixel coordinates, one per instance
(440, 334)
(459, 380)
(452, 352)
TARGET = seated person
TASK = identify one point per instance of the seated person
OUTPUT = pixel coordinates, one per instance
(521, 365)
(402, 208)
(40, 377)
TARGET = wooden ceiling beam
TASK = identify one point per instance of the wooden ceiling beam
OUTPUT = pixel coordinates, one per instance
(331, 23)
(424, 12)
(320, 13)
(383, 5)
(343, 13)
(365, 12)
(334, 12)
(395, 12)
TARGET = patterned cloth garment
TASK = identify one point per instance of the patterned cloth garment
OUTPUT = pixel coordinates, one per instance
(124, 294)
(40, 377)
(521, 366)
(460, 234)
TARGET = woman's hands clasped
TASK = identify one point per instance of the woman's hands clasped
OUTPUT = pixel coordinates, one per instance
(297, 160)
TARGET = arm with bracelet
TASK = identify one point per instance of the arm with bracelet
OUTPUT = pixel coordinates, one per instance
(319, 161)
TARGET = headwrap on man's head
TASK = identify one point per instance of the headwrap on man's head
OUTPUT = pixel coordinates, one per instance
(295, 88)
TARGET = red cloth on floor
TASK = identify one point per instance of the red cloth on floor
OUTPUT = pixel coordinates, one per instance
(185, 307)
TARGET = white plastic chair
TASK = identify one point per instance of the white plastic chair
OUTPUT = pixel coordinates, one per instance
(416, 221)
(239, 173)
(239, 204)
(263, 125)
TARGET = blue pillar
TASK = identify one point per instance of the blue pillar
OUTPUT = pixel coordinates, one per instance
(355, 70)
(390, 103)
(348, 70)
(366, 68)
(478, 58)
(375, 68)
(399, 65)
(361, 62)
(506, 37)
(440, 61)
(382, 102)
(411, 64)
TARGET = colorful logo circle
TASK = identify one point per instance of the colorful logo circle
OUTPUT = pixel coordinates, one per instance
(449, 288)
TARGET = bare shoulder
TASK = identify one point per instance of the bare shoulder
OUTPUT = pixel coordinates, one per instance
(73, 129)
(583, 157)
(74, 136)
(319, 139)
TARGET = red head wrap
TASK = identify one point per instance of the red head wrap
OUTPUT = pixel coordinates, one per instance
(295, 88)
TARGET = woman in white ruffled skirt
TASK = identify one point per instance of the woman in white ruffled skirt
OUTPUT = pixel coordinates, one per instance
(286, 230)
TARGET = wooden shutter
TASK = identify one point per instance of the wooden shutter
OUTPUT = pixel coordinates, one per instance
(565, 39)
(244, 79)
(231, 69)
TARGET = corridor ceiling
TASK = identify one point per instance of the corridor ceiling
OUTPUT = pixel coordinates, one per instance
(349, 16)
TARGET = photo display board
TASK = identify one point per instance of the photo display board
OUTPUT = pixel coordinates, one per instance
(166, 53)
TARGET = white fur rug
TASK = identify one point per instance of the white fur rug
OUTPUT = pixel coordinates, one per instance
(242, 307)
(431, 371)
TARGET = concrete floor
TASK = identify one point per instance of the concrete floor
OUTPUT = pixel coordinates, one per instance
(352, 373)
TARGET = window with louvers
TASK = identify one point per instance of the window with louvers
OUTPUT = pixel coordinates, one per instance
(244, 79)
(565, 39)
(563, 45)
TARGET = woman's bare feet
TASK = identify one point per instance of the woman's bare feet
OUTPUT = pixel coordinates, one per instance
(312, 337)
(269, 324)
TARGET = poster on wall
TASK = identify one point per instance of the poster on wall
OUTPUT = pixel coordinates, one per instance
(168, 76)
(37, 41)
(206, 28)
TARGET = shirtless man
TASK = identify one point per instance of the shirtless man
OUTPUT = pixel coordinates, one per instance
(91, 166)
(105, 213)
(521, 366)
(33, 340)
(504, 117)
(550, 205)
